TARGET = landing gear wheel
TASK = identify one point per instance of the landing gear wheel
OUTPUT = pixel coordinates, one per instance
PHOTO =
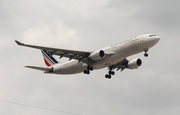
(86, 72)
(146, 55)
(111, 72)
(108, 76)
(90, 68)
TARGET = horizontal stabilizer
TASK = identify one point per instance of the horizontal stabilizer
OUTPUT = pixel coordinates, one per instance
(46, 70)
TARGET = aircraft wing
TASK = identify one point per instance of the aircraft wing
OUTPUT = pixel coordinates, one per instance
(71, 54)
(120, 65)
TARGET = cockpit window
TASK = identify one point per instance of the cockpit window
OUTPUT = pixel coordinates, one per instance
(151, 35)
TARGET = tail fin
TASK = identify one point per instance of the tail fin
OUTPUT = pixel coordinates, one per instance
(48, 59)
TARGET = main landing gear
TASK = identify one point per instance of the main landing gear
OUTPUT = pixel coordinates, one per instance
(145, 54)
(109, 74)
(87, 71)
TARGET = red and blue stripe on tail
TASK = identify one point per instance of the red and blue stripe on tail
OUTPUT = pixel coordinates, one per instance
(48, 59)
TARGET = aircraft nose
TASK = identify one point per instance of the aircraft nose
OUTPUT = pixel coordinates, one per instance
(152, 41)
(156, 38)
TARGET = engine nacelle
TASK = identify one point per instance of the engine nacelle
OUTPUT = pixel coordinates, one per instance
(134, 64)
(97, 55)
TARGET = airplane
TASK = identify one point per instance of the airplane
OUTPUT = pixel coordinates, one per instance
(113, 57)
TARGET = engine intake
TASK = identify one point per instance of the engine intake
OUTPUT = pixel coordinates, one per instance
(97, 55)
(134, 64)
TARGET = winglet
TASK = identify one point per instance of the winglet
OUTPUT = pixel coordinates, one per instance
(19, 43)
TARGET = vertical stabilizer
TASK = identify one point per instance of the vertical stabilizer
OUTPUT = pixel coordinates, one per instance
(48, 59)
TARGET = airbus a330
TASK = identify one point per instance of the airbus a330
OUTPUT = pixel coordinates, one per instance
(113, 57)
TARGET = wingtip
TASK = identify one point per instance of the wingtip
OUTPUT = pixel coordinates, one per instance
(19, 43)
(27, 66)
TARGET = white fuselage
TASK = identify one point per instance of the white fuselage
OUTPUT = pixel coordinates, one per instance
(120, 51)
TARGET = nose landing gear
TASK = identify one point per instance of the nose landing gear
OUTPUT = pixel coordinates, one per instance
(145, 54)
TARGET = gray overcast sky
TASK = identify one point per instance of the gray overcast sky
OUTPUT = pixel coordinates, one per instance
(87, 25)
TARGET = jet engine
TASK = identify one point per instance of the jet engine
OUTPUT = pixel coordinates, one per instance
(97, 55)
(134, 64)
